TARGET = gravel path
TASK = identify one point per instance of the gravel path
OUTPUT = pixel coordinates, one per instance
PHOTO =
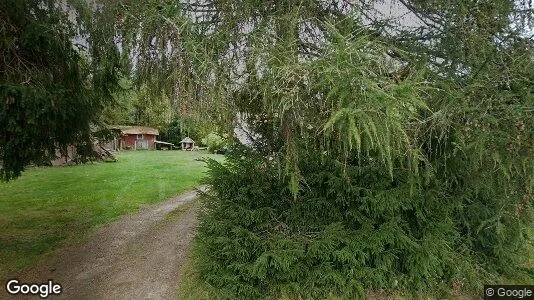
(138, 256)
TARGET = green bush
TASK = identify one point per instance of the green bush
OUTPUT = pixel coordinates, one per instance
(351, 229)
(214, 142)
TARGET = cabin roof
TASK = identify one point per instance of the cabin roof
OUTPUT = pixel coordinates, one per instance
(187, 140)
(136, 129)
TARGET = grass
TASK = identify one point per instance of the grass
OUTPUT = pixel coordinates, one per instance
(50, 207)
(178, 212)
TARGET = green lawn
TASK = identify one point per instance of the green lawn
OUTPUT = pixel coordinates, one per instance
(50, 207)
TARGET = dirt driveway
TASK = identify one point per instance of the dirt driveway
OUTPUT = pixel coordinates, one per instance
(138, 256)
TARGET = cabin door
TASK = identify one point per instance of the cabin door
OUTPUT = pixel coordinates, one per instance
(141, 144)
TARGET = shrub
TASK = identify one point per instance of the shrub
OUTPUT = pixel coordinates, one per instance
(351, 229)
(214, 142)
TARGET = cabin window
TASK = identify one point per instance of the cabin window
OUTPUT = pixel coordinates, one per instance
(139, 136)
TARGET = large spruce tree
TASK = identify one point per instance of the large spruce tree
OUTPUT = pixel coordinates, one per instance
(385, 158)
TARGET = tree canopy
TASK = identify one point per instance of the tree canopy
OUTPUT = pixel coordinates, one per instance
(53, 82)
